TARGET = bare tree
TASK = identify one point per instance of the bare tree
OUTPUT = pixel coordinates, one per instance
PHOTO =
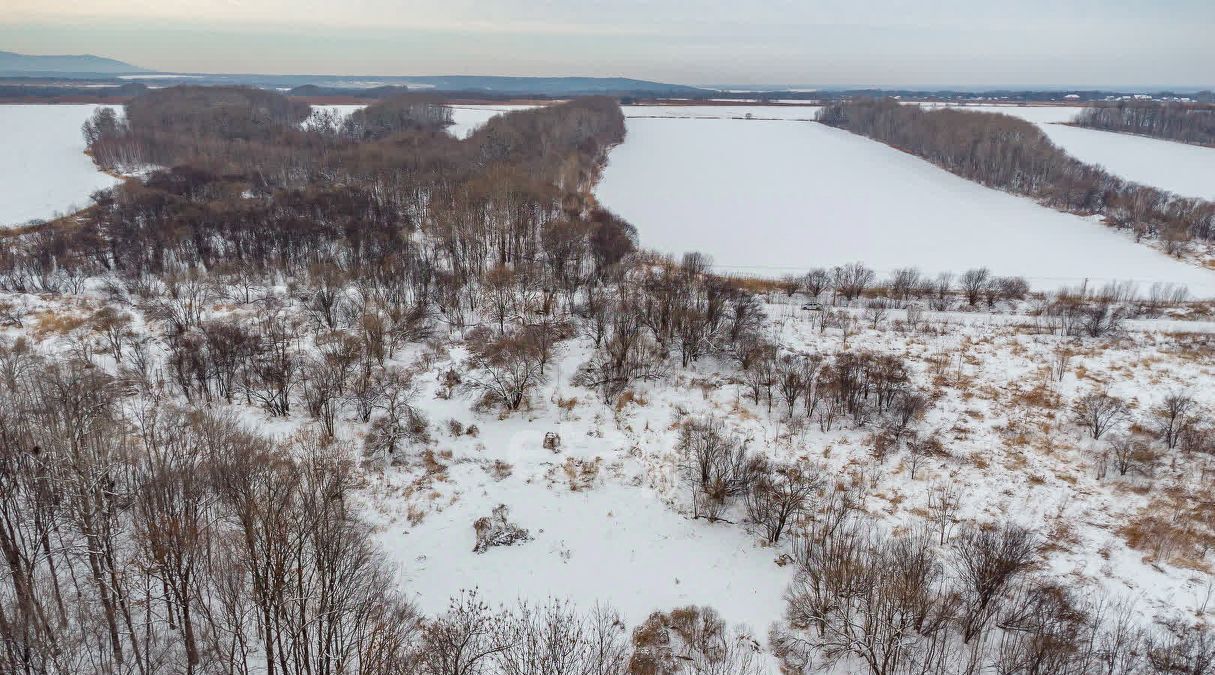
(986, 562)
(943, 503)
(503, 368)
(851, 280)
(1172, 416)
(464, 640)
(781, 496)
(974, 282)
(817, 280)
(1098, 412)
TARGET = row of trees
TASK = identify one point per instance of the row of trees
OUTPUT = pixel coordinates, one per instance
(1185, 122)
(1012, 154)
(556, 638)
(855, 280)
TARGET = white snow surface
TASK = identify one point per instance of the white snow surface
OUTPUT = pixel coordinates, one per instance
(625, 537)
(621, 538)
(779, 197)
(468, 118)
(465, 118)
(43, 169)
(757, 112)
(1184, 169)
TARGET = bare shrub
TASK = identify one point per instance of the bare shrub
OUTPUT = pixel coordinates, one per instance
(986, 563)
(1172, 416)
(780, 496)
(716, 464)
(504, 368)
(693, 641)
(1098, 412)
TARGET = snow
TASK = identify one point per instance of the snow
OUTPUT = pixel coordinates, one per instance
(45, 171)
(621, 539)
(1181, 168)
(613, 545)
(465, 118)
(779, 197)
(773, 112)
(468, 118)
(625, 538)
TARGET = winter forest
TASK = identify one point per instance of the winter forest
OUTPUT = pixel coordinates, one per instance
(312, 393)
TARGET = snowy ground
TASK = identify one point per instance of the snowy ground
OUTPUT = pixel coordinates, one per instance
(1187, 170)
(465, 118)
(801, 112)
(43, 167)
(608, 514)
(779, 197)
(469, 118)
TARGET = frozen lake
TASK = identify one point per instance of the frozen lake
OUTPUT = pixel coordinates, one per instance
(42, 162)
(780, 197)
(1187, 170)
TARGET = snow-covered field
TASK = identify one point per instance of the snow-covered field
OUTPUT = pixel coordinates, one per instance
(468, 118)
(800, 112)
(1187, 170)
(781, 197)
(465, 118)
(43, 169)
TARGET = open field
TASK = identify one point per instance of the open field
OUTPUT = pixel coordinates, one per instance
(1187, 170)
(466, 117)
(780, 197)
(45, 171)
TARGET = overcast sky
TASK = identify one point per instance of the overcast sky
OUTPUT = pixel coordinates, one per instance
(830, 42)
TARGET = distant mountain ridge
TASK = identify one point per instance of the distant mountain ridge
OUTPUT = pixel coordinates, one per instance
(12, 63)
(490, 85)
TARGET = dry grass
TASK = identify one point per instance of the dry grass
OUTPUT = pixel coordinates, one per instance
(630, 396)
(500, 470)
(432, 466)
(1177, 527)
(581, 474)
(57, 323)
(1039, 396)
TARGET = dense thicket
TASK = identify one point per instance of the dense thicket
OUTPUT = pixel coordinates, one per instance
(385, 195)
(1185, 122)
(1012, 154)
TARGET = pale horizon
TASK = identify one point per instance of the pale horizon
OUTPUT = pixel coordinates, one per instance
(891, 43)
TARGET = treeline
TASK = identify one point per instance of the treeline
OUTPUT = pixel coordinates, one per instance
(250, 190)
(394, 115)
(1185, 122)
(1011, 154)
